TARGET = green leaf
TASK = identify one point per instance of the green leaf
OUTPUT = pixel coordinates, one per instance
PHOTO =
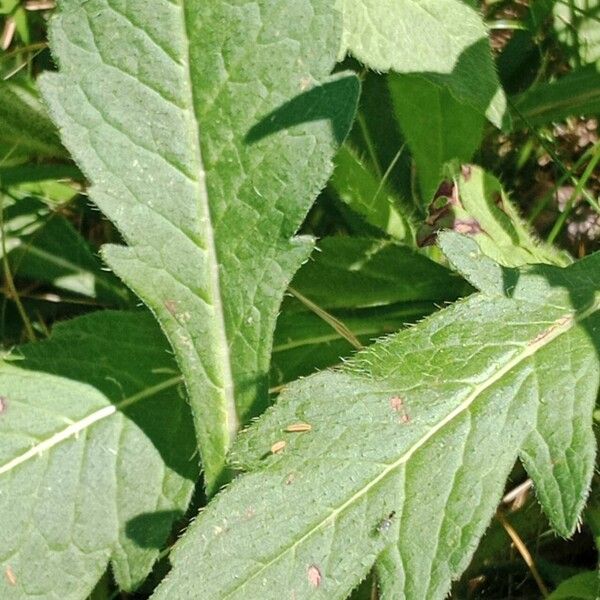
(437, 127)
(409, 447)
(359, 273)
(446, 40)
(377, 139)
(305, 343)
(21, 175)
(373, 287)
(370, 196)
(207, 129)
(373, 170)
(7, 6)
(575, 94)
(585, 586)
(25, 129)
(472, 202)
(496, 551)
(89, 471)
(519, 61)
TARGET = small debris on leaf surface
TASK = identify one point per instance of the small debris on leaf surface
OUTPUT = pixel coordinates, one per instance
(10, 576)
(278, 447)
(298, 427)
(385, 524)
(314, 576)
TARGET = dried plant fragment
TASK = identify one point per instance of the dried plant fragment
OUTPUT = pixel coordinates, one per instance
(278, 447)
(298, 427)
(10, 576)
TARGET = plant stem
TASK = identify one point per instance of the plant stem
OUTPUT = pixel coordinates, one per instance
(13, 294)
(524, 552)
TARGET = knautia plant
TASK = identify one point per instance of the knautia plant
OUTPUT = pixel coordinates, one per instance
(203, 434)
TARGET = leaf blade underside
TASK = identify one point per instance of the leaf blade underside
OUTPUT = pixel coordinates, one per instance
(207, 129)
(88, 471)
(408, 452)
(374, 287)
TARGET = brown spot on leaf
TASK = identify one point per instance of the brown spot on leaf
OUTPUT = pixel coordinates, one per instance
(40, 4)
(298, 427)
(550, 330)
(438, 210)
(290, 479)
(455, 198)
(314, 576)
(398, 406)
(426, 238)
(278, 447)
(466, 171)
(440, 213)
(445, 190)
(10, 576)
(3, 404)
(171, 306)
(467, 226)
(396, 403)
(305, 83)
(498, 200)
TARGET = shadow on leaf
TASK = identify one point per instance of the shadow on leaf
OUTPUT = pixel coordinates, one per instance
(316, 104)
(150, 530)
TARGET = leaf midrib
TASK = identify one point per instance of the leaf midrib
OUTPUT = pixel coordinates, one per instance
(548, 335)
(231, 424)
(82, 424)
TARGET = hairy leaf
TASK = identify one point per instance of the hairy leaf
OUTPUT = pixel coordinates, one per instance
(445, 40)
(585, 586)
(405, 450)
(373, 287)
(88, 469)
(472, 202)
(373, 169)
(376, 140)
(371, 196)
(496, 546)
(361, 272)
(207, 129)
(305, 343)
